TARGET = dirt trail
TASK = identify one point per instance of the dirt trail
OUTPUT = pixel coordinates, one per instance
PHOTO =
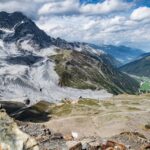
(106, 118)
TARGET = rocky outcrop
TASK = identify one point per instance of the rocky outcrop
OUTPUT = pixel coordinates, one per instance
(12, 138)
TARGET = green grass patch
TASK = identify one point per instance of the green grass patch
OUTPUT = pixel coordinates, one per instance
(88, 102)
(42, 106)
(62, 110)
(145, 86)
(133, 109)
(147, 126)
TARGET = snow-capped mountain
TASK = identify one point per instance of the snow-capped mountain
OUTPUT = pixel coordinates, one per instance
(28, 61)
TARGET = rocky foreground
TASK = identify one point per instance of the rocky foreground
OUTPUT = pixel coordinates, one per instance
(12, 138)
(29, 136)
(118, 124)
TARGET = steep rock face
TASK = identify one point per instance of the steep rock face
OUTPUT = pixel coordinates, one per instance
(12, 138)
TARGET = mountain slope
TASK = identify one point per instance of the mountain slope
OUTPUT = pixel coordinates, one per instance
(140, 67)
(144, 55)
(28, 62)
(123, 54)
(87, 72)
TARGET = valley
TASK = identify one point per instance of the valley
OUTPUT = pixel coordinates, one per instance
(145, 84)
(139, 69)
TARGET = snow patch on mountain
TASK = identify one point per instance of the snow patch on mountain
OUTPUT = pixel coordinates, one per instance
(89, 49)
(8, 49)
(25, 45)
(7, 31)
(39, 81)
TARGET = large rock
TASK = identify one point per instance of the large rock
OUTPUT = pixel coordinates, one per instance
(12, 138)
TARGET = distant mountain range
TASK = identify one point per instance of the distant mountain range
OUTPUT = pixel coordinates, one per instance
(39, 67)
(139, 67)
(122, 54)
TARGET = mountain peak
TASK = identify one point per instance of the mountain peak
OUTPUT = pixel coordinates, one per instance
(9, 20)
(16, 27)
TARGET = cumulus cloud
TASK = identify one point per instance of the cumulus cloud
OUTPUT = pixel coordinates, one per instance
(25, 6)
(28, 7)
(118, 30)
(59, 7)
(74, 6)
(107, 6)
(141, 13)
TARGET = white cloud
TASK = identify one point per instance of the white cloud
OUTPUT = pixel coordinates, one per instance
(141, 13)
(107, 6)
(99, 29)
(74, 6)
(59, 7)
(63, 7)
(25, 6)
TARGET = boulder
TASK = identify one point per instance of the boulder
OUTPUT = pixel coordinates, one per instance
(12, 138)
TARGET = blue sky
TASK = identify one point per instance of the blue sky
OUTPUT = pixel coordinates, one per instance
(138, 2)
(116, 22)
